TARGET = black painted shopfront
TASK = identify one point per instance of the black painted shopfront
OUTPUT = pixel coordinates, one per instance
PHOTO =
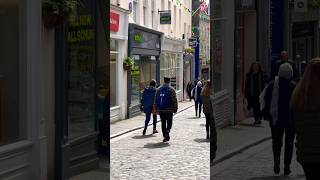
(81, 85)
(144, 45)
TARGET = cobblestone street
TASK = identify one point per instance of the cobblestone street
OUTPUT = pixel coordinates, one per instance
(186, 156)
(255, 164)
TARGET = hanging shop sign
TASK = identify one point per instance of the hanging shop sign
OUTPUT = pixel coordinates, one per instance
(300, 6)
(114, 21)
(165, 17)
(193, 42)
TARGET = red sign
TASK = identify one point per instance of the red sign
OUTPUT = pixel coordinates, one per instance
(114, 22)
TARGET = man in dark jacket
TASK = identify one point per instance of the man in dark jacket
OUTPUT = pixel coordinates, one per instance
(279, 113)
(147, 102)
(196, 91)
(166, 104)
(283, 59)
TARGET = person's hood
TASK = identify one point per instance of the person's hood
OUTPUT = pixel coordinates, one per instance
(150, 89)
(285, 71)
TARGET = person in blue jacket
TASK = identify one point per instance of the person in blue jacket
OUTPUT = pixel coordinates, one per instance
(147, 103)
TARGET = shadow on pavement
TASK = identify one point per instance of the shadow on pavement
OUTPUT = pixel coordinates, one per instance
(143, 137)
(193, 118)
(276, 177)
(156, 145)
(199, 140)
(251, 125)
(202, 124)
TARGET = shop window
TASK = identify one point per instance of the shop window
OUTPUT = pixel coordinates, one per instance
(113, 72)
(12, 73)
(81, 74)
(135, 81)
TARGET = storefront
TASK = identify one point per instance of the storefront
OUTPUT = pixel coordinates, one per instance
(245, 51)
(222, 60)
(145, 48)
(171, 64)
(118, 51)
(23, 117)
(82, 88)
(188, 75)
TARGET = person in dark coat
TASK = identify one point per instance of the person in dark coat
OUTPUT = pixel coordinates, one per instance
(190, 86)
(147, 102)
(277, 110)
(306, 106)
(196, 91)
(207, 106)
(284, 57)
(300, 67)
(254, 84)
(165, 105)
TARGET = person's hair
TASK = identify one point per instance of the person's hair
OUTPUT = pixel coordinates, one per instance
(306, 96)
(153, 83)
(255, 63)
(206, 89)
(166, 80)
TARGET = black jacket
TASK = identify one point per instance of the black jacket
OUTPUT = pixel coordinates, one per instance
(285, 113)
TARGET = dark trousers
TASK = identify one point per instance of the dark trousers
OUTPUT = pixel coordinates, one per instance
(277, 133)
(311, 171)
(148, 117)
(166, 123)
(256, 108)
(213, 139)
(198, 106)
(208, 122)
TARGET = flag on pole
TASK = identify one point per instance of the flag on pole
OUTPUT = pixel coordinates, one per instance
(203, 7)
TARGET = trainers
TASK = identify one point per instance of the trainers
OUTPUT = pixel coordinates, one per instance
(287, 171)
(155, 131)
(164, 140)
(276, 169)
(144, 132)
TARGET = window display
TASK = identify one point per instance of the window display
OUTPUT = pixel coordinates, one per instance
(81, 73)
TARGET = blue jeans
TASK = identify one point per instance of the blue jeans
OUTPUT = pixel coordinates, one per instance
(148, 117)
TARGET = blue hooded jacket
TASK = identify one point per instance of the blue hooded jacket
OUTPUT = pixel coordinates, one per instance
(148, 98)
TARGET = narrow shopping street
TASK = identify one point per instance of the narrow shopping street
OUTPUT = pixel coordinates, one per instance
(186, 156)
(255, 163)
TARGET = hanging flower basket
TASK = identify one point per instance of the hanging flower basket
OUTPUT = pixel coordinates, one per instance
(128, 63)
(56, 12)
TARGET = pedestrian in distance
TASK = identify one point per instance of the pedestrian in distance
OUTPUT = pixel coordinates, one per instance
(284, 58)
(207, 107)
(254, 84)
(166, 104)
(196, 91)
(306, 106)
(190, 86)
(147, 102)
(275, 100)
(300, 67)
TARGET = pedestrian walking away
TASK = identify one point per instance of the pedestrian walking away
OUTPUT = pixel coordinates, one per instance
(189, 88)
(196, 91)
(254, 84)
(284, 58)
(166, 104)
(306, 106)
(207, 106)
(147, 102)
(275, 101)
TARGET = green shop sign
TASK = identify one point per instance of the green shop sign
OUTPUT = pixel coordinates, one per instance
(137, 38)
(165, 17)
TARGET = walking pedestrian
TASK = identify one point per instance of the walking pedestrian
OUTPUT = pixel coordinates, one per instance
(300, 67)
(306, 106)
(207, 106)
(190, 86)
(254, 84)
(196, 91)
(275, 104)
(284, 58)
(147, 102)
(166, 104)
